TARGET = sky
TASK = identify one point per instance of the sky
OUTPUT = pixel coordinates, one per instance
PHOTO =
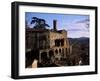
(75, 24)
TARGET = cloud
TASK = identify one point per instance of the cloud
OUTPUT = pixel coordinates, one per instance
(76, 30)
(78, 34)
(83, 21)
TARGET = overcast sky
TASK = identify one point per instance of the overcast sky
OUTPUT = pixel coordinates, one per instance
(76, 25)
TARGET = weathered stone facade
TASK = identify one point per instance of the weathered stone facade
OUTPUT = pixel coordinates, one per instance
(48, 44)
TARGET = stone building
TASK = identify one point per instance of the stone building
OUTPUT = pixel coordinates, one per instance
(47, 44)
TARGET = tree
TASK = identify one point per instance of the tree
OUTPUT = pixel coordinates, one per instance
(39, 23)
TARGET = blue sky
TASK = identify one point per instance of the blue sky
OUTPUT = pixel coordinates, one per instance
(76, 25)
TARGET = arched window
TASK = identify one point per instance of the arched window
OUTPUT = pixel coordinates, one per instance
(56, 51)
(62, 42)
(59, 50)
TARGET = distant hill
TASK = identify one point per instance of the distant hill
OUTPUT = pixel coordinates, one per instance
(81, 40)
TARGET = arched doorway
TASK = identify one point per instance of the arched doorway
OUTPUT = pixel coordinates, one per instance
(51, 55)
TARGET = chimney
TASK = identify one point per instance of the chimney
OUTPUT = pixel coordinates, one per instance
(55, 25)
